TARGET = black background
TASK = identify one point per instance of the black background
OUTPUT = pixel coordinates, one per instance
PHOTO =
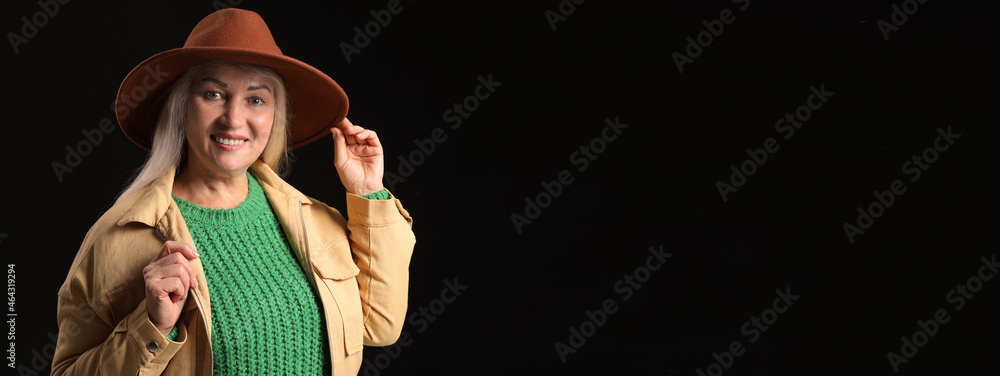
(654, 185)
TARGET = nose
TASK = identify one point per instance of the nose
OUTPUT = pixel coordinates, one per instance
(233, 114)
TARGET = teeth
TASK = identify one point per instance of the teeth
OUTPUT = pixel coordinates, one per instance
(227, 141)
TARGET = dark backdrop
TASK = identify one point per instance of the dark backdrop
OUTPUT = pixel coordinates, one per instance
(654, 185)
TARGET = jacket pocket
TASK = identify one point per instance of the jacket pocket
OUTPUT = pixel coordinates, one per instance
(336, 271)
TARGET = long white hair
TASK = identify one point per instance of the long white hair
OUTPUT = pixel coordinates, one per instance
(169, 146)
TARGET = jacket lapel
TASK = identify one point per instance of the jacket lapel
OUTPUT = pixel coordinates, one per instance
(156, 208)
(289, 206)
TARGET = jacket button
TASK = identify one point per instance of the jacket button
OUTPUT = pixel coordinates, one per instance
(152, 346)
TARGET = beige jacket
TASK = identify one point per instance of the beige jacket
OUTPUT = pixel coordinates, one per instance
(358, 268)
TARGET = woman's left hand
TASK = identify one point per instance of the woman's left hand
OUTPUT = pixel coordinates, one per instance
(358, 158)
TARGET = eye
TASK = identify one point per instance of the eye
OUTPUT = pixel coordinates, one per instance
(211, 94)
(256, 101)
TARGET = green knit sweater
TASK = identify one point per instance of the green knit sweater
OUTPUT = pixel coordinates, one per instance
(265, 317)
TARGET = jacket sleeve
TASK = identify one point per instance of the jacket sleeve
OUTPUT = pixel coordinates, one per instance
(92, 342)
(382, 242)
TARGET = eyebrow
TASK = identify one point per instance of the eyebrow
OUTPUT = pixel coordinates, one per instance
(257, 87)
(224, 85)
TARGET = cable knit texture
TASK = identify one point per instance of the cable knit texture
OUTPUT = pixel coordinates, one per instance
(265, 317)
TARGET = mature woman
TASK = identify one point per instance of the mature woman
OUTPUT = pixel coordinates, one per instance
(209, 263)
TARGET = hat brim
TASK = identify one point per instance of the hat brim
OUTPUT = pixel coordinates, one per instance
(315, 101)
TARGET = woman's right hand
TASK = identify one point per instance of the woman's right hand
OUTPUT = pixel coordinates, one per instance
(168, 278)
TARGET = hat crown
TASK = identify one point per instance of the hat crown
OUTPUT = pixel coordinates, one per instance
(233, 28)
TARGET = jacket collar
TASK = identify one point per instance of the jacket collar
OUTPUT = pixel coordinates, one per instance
(155, 200)
(269, 179)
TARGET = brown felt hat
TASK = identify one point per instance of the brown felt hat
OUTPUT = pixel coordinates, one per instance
(316, 101)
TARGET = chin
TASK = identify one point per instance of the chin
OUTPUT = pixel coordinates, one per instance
(232, 166)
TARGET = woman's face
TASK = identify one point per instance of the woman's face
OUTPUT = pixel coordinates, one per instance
(229, 116)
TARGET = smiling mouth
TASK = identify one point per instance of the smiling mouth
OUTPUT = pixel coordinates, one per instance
(227, 141)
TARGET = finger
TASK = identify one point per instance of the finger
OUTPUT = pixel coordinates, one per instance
(345, 124)
(168, 289)
(186, 267)
(178, 292)
(374, 141)
(186, 252)
(173, 246)
(154, 269)
(173, 265)
(184, 272)
(339, 146)
(364, 135)
(350, 134)
(368, 135)
(349, 128)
